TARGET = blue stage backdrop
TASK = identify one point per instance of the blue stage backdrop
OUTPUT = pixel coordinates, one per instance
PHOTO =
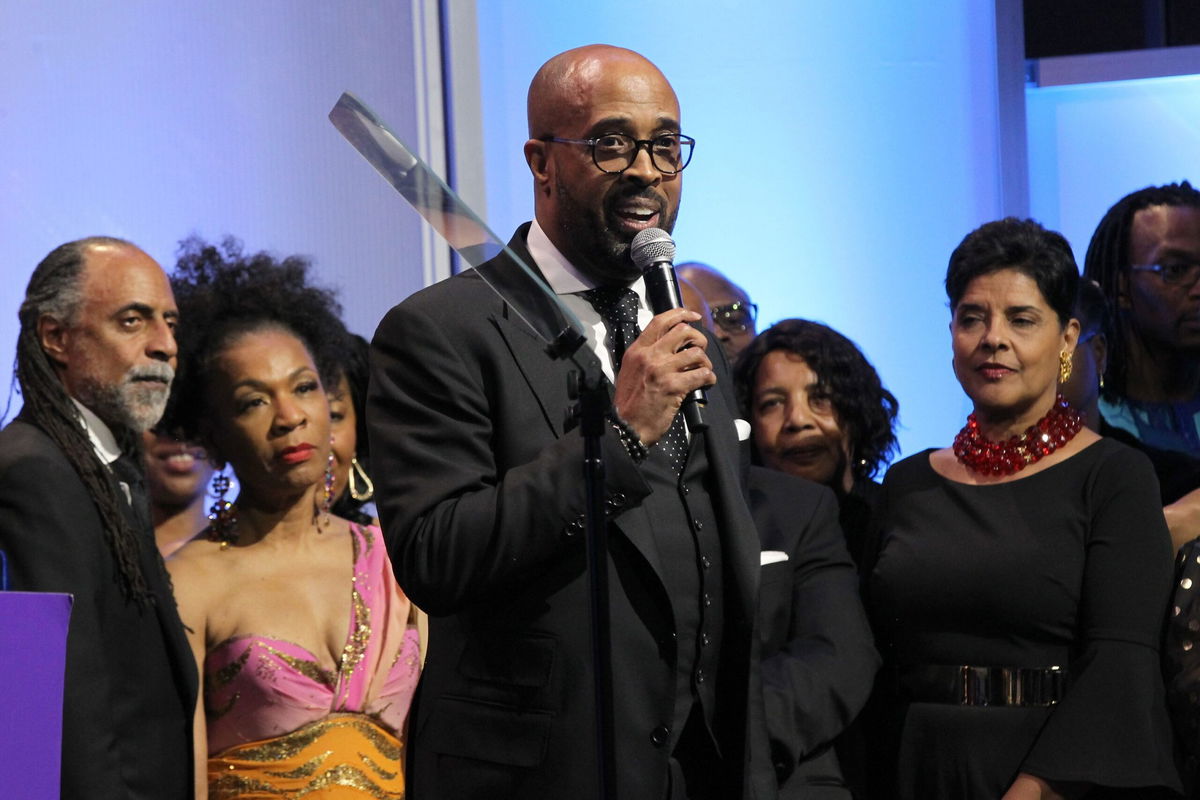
(1092, 144)
(844, 149)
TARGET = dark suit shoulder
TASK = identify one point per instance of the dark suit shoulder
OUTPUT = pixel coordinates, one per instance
(784, 496)
(22, 441)
(33, 469)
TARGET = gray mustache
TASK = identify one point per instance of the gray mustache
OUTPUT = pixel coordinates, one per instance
(162, 373)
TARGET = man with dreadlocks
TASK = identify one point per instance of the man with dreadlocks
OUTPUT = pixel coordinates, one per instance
(1145, 254)
(95, 360)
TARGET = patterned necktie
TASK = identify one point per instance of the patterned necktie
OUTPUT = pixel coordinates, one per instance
(618, 307)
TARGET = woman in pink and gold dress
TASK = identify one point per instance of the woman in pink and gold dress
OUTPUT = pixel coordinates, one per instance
(303, 638)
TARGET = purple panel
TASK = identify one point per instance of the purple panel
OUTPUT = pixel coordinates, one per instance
(33, 652)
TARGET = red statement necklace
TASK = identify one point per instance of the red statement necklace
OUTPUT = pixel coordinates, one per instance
(982, 455)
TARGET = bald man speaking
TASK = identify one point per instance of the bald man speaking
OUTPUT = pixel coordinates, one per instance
(482, 496)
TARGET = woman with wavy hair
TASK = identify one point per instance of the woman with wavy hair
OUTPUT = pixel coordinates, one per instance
(818, 410)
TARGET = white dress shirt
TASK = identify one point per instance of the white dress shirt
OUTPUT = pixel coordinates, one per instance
(569, 284)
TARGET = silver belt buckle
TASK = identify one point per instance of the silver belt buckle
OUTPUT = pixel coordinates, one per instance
(1010, 686)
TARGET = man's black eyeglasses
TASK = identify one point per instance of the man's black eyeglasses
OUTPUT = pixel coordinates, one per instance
(1175, 274)
(615, 152)
(735, 317)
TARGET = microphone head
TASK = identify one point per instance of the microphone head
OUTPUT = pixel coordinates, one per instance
(652, 246)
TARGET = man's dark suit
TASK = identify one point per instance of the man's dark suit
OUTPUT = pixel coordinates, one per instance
(130, 678)
(818, 657)
(481, 493)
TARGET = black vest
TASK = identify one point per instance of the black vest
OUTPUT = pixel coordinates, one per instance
(685, 531)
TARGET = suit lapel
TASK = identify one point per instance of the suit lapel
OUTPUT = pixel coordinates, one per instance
(739, 539)
(547, 377)
(526, 304)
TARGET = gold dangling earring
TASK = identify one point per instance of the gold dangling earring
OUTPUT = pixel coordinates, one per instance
(222, 516)
(327, 492)
(1064, 366)
(356, 470)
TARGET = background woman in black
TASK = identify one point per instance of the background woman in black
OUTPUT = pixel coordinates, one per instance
(1022, 575)
(818, 410)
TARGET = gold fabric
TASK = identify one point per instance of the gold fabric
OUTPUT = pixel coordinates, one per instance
(342, 757)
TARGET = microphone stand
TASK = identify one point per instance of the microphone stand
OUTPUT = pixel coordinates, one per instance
(588, 386)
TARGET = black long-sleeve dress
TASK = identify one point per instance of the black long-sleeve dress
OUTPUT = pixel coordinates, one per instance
(1069, 567)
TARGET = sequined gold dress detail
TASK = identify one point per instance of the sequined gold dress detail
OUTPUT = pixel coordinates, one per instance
(280, 725)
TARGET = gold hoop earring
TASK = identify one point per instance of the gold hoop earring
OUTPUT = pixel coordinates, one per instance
(368, 490)
(1064, 366)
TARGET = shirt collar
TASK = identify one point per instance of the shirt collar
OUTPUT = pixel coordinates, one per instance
(560, 273)
(103, 440)
(563, 276)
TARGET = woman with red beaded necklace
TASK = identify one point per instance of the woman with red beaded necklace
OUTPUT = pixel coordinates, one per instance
(1021, 576)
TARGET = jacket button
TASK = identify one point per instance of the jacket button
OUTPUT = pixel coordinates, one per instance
(660, 735)
(699, 676)
(618, 500)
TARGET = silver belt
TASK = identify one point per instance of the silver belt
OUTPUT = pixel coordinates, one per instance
(968, 685)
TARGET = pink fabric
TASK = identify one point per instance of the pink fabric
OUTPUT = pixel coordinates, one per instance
(256, 687)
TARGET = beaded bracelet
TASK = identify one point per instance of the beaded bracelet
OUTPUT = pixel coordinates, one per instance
(629, 439)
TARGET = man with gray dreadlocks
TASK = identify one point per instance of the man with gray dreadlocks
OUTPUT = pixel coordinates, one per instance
(95, 360)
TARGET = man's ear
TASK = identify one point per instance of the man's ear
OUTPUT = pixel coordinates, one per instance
(54, 337)
(537, 157)
(1071, 335)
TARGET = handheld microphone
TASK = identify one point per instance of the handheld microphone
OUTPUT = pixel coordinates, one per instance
(653, 252)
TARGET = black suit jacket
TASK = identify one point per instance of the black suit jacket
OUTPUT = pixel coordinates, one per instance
(818, 654)
(480, 488)
(130, 678)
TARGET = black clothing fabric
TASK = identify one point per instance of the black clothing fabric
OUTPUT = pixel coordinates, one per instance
(478, 471)
(1181, 662)
(1178, 473)
(130, 676)
(818, 658)
(856, 515)
(1065, 567)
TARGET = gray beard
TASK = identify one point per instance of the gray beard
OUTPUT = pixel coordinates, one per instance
(604, 251)
(133, 404)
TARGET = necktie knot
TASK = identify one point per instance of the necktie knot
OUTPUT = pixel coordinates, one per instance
(617, 304)
(618, 307)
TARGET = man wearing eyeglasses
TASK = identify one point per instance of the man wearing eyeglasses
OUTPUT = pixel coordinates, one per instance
(1145, 254)
(482, 495)
(733, 315)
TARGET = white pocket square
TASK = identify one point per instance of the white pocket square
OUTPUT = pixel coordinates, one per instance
(743, 429)
(771, 556)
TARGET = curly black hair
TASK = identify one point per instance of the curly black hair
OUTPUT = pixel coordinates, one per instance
(1025, 246)
(223, 293)
(865, 410)
(1107, 263)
